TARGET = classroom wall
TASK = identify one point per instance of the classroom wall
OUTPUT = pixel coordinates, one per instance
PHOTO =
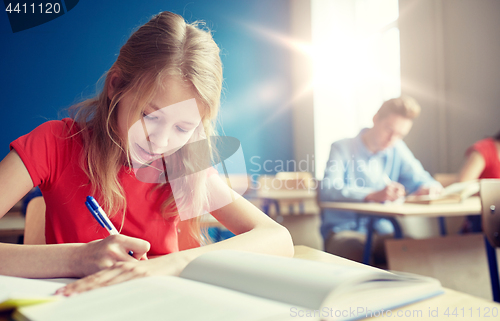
(48, 68)
(449, 62)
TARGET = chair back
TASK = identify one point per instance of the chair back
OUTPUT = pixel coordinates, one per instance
(34, 226)
(490, 202)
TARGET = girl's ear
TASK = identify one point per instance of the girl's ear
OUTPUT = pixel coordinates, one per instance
(113, 84)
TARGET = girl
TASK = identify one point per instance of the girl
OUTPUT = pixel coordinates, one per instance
(168, 78)
(483, 160)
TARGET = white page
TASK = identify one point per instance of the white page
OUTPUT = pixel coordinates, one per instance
(159, 298)
(470, 188)
(293, 281)
(13, 287)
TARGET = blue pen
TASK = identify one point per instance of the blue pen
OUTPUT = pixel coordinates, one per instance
(94, 214)
(101, 217)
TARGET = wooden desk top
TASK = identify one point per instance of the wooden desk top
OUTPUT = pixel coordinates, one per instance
(285, 195)
(470, 206)
(465, 306)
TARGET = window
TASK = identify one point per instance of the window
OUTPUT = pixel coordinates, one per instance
(356, 67)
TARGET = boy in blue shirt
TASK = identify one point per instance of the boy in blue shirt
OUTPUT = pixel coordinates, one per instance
(374, 166)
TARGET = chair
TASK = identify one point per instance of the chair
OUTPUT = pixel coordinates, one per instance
(298, 180)
(490, 219)
(490, 203)
(34, 226)
(459, 262)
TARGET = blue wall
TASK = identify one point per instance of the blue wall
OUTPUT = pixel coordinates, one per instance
(50, 67)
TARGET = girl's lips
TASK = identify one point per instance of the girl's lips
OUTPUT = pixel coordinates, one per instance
(145, 155)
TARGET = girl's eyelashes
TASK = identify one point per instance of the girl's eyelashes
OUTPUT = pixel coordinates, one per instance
(151, 117)
(148, 116)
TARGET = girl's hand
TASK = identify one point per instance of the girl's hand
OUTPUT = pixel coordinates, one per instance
(171, 264)
(101, 254)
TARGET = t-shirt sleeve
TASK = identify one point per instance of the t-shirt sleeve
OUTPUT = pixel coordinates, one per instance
(485, 147)
(44, 151)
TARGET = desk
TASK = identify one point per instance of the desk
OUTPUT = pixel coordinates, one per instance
(470, 206)
(449, 300)
(12, 224)
(273, 197)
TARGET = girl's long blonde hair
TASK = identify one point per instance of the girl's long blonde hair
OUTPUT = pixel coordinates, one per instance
(166, 46)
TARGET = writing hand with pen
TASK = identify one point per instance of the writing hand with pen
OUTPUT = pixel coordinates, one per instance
(391, 192)
(100, 261)
(103, 220)
(101, 255)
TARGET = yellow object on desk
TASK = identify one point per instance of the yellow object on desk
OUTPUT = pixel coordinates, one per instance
(20, 292)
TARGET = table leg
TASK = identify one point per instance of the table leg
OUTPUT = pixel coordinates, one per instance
(369, 239)
(265, 206)
(492, 263)
(277, 204)
(442, 226)
(398, 233)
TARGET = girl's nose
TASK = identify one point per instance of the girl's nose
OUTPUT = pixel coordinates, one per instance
(159, 139)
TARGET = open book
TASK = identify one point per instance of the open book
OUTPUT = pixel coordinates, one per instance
(233, 285)
(454, 193)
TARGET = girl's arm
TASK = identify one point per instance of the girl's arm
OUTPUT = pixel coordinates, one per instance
(49, 261)
(473, 167)
(254, 230)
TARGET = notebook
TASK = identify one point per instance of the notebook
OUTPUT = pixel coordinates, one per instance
(454, 193)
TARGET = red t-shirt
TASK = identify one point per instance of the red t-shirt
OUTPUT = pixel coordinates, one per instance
(51, 154)
(487, 148)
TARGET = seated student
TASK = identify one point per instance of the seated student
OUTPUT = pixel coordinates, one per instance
(483, 160)
(162, 93)
(374, 166)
